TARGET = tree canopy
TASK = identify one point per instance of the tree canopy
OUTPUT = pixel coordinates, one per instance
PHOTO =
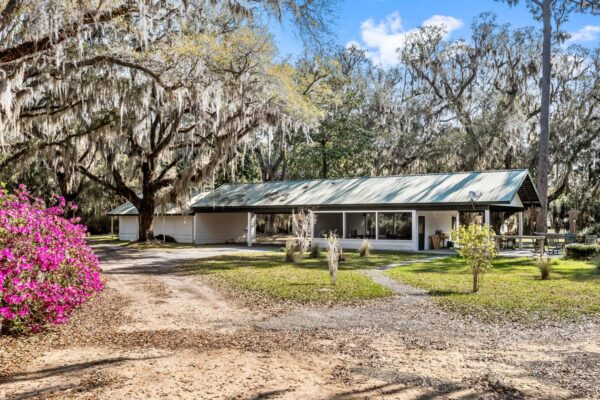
(152, 102)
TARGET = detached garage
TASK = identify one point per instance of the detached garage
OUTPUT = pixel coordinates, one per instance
(200, 228)
(395, 213)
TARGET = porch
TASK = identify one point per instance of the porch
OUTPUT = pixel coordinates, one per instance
(423, 229)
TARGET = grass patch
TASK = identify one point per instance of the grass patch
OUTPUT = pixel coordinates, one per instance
(104, 239)
(155, 244)
(306, 282)
(511, 289)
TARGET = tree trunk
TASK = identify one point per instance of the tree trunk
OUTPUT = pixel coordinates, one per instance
(475, 282)
(269, 224)
(324, 164)
(146, 215)
(544, 143)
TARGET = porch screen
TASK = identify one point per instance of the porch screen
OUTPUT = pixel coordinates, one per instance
(395, 226)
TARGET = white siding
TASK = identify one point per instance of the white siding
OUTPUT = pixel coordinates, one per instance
(436, 221)
(221, 227)
(354, 244)
(178, 226)
(128, 227)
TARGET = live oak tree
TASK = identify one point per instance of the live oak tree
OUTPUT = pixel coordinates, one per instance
(115, 78)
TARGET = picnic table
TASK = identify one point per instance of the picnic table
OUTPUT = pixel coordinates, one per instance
(505, 241)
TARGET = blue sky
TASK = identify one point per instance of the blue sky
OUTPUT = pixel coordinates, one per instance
(379, 25)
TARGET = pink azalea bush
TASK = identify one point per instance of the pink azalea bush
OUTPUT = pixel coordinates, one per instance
(46, 267)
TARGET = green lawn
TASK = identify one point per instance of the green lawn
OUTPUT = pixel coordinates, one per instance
(157, 244)
(306, 282)
(512, 289)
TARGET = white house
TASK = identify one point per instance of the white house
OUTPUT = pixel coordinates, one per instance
(394, 212)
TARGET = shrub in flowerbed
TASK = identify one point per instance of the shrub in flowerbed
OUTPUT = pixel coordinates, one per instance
(46, 267)
(582, 251)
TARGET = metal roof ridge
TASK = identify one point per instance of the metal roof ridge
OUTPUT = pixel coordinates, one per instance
(376, 177)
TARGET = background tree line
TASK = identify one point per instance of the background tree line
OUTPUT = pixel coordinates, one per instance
(152, 102)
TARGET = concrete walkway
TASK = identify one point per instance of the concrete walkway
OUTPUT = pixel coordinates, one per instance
(409, 262)
(410, 294)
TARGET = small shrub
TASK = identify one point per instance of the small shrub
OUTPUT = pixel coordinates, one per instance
(292, 252)
(315, 251)
(592, 230)
(303, 220)
(365, 249)
(596, 262)
(580, 251)
(165, 238)
(334, 250)
(478, 247)
(545, 267)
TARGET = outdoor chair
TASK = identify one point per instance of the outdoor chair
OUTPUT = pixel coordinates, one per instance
(555, 245)
(507, 243)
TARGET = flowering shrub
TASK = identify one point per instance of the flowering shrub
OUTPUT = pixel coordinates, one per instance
(46, 267)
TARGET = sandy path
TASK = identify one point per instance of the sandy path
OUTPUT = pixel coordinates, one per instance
(172, 335)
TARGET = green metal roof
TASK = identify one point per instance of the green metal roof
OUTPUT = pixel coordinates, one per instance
(495, 187)
(129, 209)
(124, 209)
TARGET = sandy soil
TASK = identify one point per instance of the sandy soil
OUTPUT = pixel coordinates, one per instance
(161, 331)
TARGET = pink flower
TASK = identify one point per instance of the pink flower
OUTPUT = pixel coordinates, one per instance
(46, 267)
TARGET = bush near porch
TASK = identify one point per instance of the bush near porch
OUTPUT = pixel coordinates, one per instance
(512, 289)
(306, 282)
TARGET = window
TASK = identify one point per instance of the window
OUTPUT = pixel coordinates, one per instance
(328, 222)
(395, 226)
(360, 225)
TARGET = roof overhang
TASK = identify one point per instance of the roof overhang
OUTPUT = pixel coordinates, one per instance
(528, 193)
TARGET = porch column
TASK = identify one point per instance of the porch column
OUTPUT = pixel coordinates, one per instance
(194, 228)
(250, 228)
(455, 239)
(520, 222)
(487, 218)
(376, 225)
(344, 225)
(415, 230)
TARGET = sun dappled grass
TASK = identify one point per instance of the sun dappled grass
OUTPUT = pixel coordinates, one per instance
(154, 244)
(105, 239)
(511, 289)
(305, 282)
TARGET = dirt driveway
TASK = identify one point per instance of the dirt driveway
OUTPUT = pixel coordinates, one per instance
(161, 331)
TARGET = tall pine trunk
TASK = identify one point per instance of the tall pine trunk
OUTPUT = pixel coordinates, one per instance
(544, 143)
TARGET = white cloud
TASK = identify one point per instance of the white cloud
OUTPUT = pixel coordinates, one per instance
(445, 22)
(383, 39)
(353, 43)
(588, 33)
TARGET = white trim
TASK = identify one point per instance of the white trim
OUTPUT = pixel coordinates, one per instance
(520, 222)
(344, 225)
(415, 230)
